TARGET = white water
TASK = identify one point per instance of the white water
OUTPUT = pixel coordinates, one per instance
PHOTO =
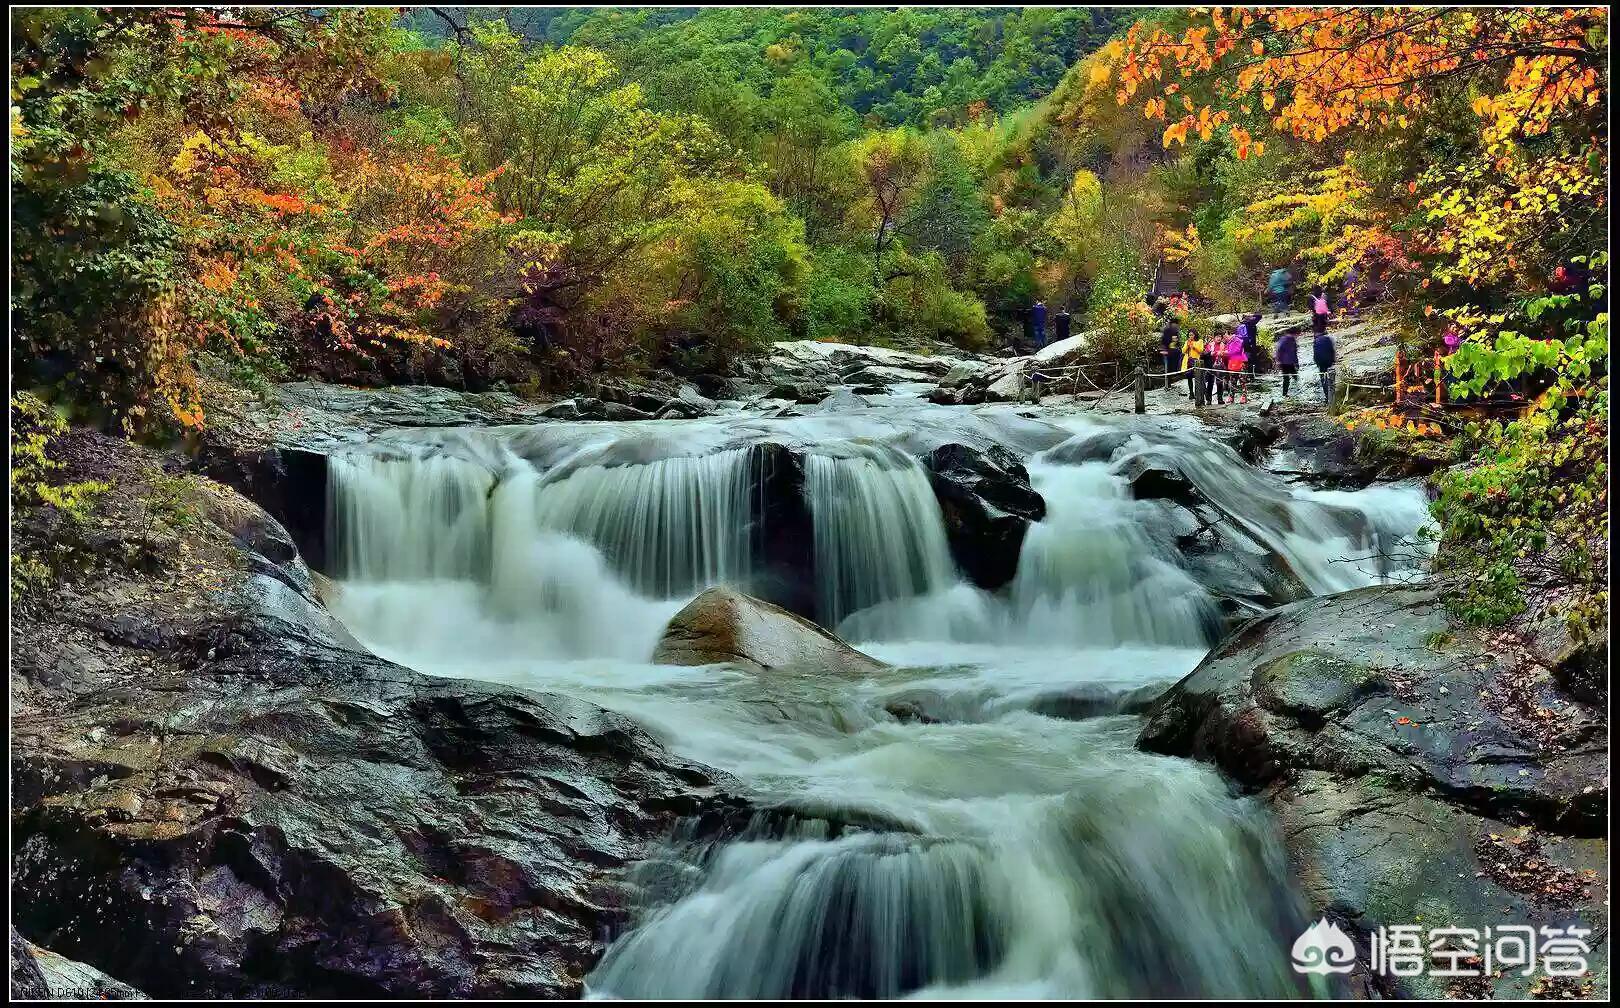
(1006, 852)
(878, 532)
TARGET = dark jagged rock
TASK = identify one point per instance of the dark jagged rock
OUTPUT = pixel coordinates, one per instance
(217, 794)
(27, 979)
(723, 626)
(289, 484)
(803, 393)
(987, 504)
(782, 534)
(1154, 475)
(1397, 748)
(1251, 438)
(69, 980)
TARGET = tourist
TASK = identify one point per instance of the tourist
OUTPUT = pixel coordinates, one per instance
(1277, 288)
(1237, 360)
(1061, 323)
(1215, 352)
(1192, 353)
(1168, 339)
(1250, 327)
(1321, 310)
(1206, 368)
(1037, 323)
(1327, 358)
(1287, 354)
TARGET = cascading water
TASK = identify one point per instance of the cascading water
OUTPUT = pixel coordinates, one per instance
(878, 531)
(669, 526)
(976, 846)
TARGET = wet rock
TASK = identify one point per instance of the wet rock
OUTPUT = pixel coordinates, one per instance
(588, 408)
(286, 485)
(782, 533)
(1153, 475)
(1010, 386)
(1369, 854)
(1393, 743)
(69, 980)
(1251, 438)
(225, 796)
(799, 392)
(27, 979)
(723, 626)
(1313, 686)
(1097, 446)
(313, 414)
(987, 504)
(961, 374)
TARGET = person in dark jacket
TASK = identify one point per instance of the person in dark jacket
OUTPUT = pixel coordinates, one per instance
(1169, 343)
(1287, 355)
(1206, 365)
(1061, 323)
(1251, 338)
(1037, 323)
(1327, 357)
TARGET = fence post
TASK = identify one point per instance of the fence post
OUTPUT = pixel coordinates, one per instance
(1141, 391)
(1400, 372)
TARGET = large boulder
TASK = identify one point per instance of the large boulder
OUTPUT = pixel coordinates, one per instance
(216, 793)
(987, 504)
(1419, 771)
(722, 626)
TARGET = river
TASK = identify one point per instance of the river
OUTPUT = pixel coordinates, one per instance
(992, 843)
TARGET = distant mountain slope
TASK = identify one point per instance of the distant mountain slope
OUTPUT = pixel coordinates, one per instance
(894, 66)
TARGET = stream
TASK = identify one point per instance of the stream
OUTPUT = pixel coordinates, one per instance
(998, 845)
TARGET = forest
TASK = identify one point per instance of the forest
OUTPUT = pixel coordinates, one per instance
(442, 197)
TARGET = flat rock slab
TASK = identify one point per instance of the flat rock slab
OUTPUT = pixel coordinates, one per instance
(721, 626)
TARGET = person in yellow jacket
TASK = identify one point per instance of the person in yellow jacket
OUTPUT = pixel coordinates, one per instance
(1191, 352)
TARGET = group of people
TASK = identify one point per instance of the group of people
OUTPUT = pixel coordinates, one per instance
(1219, 369)
(1035, 325)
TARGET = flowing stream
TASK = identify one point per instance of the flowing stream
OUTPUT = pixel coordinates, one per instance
(990, 843)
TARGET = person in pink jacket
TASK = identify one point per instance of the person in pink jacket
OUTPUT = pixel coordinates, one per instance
(1237, 359)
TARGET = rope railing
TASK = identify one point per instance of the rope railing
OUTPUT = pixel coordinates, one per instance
(1418, 376)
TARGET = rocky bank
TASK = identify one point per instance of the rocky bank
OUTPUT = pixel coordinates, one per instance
(1421, 772)
(216, 792)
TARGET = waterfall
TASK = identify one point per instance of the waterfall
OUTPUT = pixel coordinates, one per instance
(1089, 575)
(408, 519)
(1058, 863)
(669, 527)
(981, 846)
(879, 535)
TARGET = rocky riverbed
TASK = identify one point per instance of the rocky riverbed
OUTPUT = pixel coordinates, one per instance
(217, 790)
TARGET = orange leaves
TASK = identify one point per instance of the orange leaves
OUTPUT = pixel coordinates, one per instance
(1177, 132)
(285, 203)
(1244, 144)
(1322, 70)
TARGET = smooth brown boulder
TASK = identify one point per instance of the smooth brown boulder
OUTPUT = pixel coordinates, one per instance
(724, 626)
